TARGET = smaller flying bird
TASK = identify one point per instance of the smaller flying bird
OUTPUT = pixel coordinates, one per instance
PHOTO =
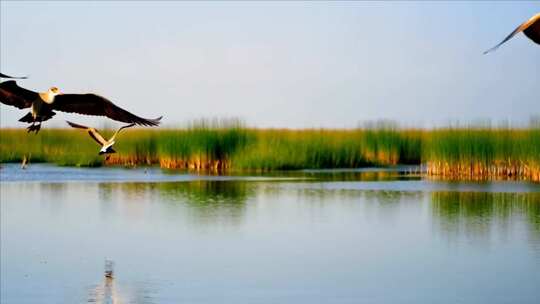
(106, 145)
(531, 29)
(11, 77)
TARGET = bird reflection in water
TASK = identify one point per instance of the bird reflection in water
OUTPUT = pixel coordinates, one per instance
(108, 292)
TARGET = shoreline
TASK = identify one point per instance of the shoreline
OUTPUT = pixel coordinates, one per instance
(431, 170)
(479, 171)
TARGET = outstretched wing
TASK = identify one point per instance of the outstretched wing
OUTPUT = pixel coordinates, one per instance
(13, 95)
(74, 125)
(7, 76)
(533, 31)
(125, 127)
(91, 131)
(92, 104)
(120, 129)
(522, 27)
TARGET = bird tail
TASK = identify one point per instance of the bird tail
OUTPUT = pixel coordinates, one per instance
(27, 118)
(30, 119)
(109, 150)
(47, 117)
(153, 122)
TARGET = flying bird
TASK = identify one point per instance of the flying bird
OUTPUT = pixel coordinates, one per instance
(43, 105)
(531, 29)
(106, 145)
(11, 77)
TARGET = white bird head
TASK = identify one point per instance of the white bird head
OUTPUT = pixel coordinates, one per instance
(53, 91)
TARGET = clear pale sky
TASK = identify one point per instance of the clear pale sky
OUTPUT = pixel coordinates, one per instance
(278, 64)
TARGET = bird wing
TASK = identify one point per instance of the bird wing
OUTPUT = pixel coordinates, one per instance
(520, 28)
(93, 132)
(7, 76)
(120, 129)
(13, 95)
(96, 136)
(533, 31)
(74, 125)
(92, 104)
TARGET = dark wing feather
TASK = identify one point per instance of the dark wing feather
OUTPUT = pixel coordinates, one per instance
(512, 34)
(91, 131)
(7, 76)
(74, 125)
(91, 104)
(13, 95)
(533, 31)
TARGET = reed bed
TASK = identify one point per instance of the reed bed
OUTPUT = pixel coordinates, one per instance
(456, 153)
(483, 153)
(284, 149)
(60, 146)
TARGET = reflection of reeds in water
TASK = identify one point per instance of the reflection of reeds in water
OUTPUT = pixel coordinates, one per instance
(209, 201)
(200, 192)
(406, 174)
(464, 153)
(476, 214)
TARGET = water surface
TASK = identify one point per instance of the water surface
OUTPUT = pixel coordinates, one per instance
(362, 236)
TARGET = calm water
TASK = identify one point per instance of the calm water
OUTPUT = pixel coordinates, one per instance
(351, 236)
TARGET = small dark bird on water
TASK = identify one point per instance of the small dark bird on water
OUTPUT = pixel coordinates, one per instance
(531, 29)
(109, 269)
(43, 105)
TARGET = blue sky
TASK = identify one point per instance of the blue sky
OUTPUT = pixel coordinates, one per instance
(279, 64)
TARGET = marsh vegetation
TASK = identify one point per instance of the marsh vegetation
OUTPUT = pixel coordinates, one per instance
(463, 153)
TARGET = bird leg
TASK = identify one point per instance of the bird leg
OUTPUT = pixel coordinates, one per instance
(34, 127)
(38, 127)
(31, 127)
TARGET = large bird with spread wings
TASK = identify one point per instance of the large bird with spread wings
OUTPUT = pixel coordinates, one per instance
(43, 105)
(531, 29)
